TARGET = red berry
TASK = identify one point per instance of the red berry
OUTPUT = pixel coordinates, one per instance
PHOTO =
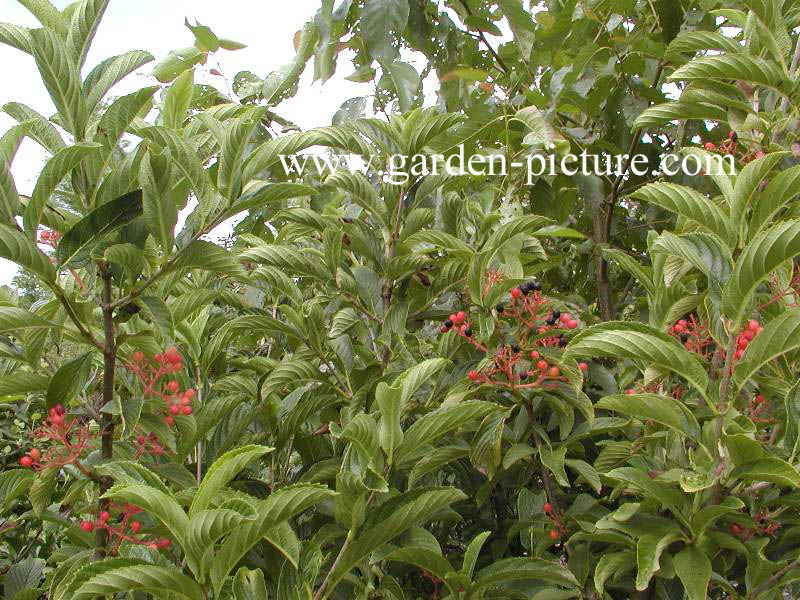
(683, 323)
(59, 408)
(104, 516)
(742, 343)
(554, 372)
(583, 366)
(57, 420)
(187, 410)
(186, 401)
(710, 146)
(738, 354)
(572, 324)
(516, 293)
(731, 134)
(169, 420)
(172, 386)
(35, 454)
(215, 72)
(173, 356)
(164, 543)
(760, 154)
(541, 365)
(453, 319)
(189, 394)
(548, 508)
(136, 527)
(174, 409)
(460, 316)
(554, 534)
(138, 356)
(748, 335)
(736, 529)
(534, 354)
(630, 391)
(760, 399)
(87, 526)
(443, 329)
(677, 328)
(565, 318)
(26, 461)
(753, 325)
(473, 375)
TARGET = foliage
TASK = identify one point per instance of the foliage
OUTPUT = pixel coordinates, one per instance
(448, 387)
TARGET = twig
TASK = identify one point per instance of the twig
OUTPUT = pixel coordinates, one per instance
(492, 51)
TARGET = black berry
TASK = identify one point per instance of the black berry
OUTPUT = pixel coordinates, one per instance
(468, 332)
(515, 348)
(551, 321)
(556, 314)
(500, 308)
(536, 286)
(523, 375)
(448, 323)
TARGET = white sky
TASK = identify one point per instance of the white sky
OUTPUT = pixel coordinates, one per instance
(266, 26)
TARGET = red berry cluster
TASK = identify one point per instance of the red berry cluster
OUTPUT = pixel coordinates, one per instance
(49, 237)
(71, 440)
(694, 335)
(558, 529)
(538, 326)
(765, 525)
(150, 374)
(125, 529)
(149, 444)
(758, 407)
(746, 336)
(731, 146)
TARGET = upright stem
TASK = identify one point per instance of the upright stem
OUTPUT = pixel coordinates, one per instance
(106, 418)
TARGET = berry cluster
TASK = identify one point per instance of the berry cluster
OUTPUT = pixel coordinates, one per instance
(149, 444)
(538, 325)
(758, 407)
(124, 528)
(731, 146)
(150, 373)
(72, 440)
(558, 529)
(746, 336)
(694, 335)
(49, 238)
(765, 525)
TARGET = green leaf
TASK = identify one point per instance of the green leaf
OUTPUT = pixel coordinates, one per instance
(21, 576)
(16, 37)
(638, 345)
(47, 14)
(56, 169)
(237, 135)
(158, 503)
(267, 194)
(282, 83)
(248, 584)
(210, 257)
(747, 184)
(60, 76)
(76, 245)
(9, 198)
(694, 570)
(225, 468)
(147, 578)
(204, 38)
(472, 552)
(177, 100)
(543, 134)
(22, 382)
(278, 507)
(109, 72)
(765, 253)
(689, 42)
(691, 204)
(176, 62)
(654, 407)
(383, 21)
(18, 248)
(69, 380)
(42, 489)
(390, 406)
(642, 274)
(40, 129)
(83, 26)
(780, 336)
(781, 189)
(158, 206)
(390, 520)
(648, 552)
(406, 83)
(734, 66)
(770, 469)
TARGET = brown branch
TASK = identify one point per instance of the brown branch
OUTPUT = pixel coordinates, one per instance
(492, 51)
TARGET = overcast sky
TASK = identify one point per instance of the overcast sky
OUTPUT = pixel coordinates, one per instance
(266, 26)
